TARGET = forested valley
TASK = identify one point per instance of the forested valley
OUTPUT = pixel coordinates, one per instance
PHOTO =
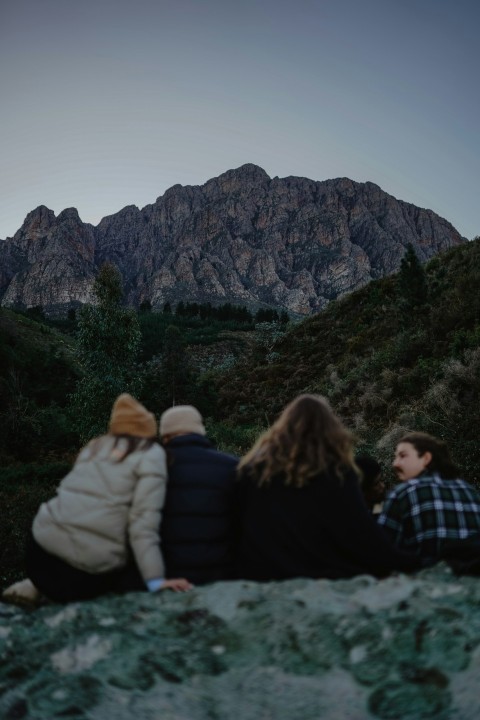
(401, 353)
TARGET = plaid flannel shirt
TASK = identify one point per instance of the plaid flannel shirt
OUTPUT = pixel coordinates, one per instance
(421, 514)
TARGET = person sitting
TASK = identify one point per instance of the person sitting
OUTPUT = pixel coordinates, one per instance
(373, 487)
(100, 533)
(197, 518)
(431, 509)
(300, 508)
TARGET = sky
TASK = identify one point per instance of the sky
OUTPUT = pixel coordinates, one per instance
(108, 103)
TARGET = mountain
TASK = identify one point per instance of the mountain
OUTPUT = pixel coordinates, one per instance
(241, 237)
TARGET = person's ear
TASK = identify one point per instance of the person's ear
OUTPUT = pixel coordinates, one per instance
(427, 458)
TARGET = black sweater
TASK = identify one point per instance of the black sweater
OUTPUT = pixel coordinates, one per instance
(322, 530)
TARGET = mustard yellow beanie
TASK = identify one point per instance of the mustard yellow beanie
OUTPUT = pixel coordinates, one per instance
(129, 417)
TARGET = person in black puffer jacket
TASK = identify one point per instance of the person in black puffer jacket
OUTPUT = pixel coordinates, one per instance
(197, 525)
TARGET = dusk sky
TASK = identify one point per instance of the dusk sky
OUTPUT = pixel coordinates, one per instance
(107, 103)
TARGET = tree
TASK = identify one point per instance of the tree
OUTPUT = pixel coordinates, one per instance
(145, 306)
(36, 313)
(108, 342)
(266, 315)
(174, 366)
(412, 284)
(168, 379)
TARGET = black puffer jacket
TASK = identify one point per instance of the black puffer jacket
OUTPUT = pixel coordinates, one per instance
(196, 531)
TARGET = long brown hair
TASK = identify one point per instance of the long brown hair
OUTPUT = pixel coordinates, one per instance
(307, 439)
(133, 443)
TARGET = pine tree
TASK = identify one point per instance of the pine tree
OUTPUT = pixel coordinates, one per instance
(108, 342)
(174, 366)
(412, 284)
(145, 306)
(169, 379)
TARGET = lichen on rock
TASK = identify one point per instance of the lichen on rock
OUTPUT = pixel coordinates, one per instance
(407, 648)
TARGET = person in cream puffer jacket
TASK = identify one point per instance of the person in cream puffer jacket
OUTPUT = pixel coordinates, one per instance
(100, 532)
(103, 500)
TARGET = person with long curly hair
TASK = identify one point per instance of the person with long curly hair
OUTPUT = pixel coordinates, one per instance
(300, 508)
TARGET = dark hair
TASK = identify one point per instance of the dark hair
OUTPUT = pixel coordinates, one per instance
(441, 461)
(369, 468)
(133, 443)
(306, 440)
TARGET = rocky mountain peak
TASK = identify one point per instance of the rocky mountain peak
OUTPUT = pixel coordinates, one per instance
(242, 237)
(244, 180)
(249, 173)
(37, 223)
(69, 215)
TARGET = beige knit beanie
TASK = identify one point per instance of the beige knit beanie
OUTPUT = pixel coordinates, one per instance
(129, 417)
(181, 419)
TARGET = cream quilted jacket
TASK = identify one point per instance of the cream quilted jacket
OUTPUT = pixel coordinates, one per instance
(102, 506)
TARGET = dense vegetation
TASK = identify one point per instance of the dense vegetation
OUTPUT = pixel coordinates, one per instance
(37, 372)
(58, 378)
(402, 353)
(387, 360)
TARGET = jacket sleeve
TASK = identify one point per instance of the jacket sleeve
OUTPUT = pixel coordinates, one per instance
(146, 513)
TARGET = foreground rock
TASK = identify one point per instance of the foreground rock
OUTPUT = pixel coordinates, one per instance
(405, 647)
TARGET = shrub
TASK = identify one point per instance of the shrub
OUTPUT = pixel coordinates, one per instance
(22, 489)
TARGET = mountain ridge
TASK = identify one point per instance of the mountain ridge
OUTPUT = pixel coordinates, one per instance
(241, 237)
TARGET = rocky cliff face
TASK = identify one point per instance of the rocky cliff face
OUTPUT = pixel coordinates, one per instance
(405, 647)
(241, 238)
(50, 261)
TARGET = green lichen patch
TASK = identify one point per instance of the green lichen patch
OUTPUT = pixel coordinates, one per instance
(404, 648)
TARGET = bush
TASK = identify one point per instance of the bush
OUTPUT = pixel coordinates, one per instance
(22, 489)
(233, 439)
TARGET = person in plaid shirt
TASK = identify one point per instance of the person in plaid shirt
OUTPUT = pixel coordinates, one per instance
(431, 509)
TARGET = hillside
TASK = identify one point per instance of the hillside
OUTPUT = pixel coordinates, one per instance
(383, 365)
(381, 362)
(37, 371)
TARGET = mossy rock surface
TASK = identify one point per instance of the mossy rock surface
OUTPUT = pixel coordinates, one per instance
(402, 648)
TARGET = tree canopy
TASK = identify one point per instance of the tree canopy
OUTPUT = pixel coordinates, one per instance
(108, 342)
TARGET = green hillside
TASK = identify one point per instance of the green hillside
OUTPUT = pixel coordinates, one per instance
(384, 365)
(384, 360)
(37, 372)
(389, 359)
